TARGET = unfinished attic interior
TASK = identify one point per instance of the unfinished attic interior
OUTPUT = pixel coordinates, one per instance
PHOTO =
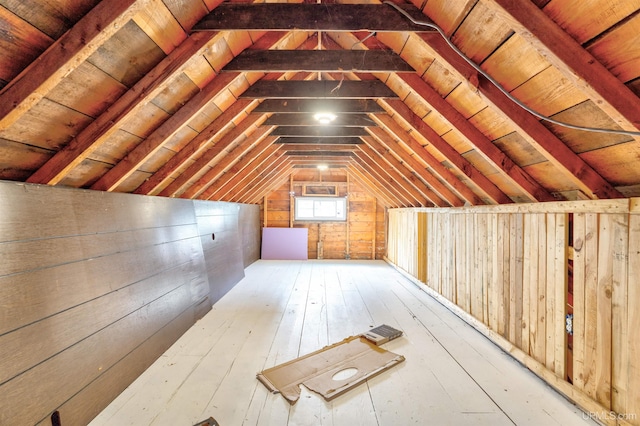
(193, 191)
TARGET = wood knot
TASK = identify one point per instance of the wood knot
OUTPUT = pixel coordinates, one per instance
(578, 244)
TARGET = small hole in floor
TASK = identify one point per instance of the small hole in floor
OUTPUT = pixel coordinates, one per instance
(55, 419)
(345, 374)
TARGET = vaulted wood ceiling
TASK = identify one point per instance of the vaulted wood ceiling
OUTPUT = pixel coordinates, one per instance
(210, 100)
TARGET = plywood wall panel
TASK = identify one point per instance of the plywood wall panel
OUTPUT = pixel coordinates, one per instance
(95, 286)
(221, 241)
(84, 406)
(28, 398)
(249, 222)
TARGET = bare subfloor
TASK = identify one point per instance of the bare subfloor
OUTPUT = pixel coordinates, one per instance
(452, 374)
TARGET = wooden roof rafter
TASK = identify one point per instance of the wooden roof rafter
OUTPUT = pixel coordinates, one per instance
(398, 108)
(270, 184)
(404, 113)
(263, 183)
(389, 179)
(88, 140)
(195, 147)
(154, 142)
(572, 60)
(231, 155)
(540, 137)
(426, 173)
(446, 175)
(372, 189)
(260, 184)
(193, 172)
(74, 47)
(235, 112)
(490, 152)
(400, 177)
(373, 181)
(374, 147)
(442, 172)
(238, 165)
(249, 167)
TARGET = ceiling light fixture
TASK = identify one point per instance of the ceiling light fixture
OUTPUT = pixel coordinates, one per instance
(324, 117)
(322, 167)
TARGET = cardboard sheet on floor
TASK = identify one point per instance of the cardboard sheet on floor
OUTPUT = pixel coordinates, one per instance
(331, 370)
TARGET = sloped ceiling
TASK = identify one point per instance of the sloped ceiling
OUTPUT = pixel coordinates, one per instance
(210, 100)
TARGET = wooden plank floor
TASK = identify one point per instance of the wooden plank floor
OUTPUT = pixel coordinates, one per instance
(281, 310)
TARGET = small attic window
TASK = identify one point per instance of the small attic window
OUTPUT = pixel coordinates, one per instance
(320, 209)
(320, 190)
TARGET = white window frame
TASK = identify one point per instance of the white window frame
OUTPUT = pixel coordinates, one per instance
(321, 210)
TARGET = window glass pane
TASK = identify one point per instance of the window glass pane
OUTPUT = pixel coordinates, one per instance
(320, 208)
(304, 209)
(325, 208)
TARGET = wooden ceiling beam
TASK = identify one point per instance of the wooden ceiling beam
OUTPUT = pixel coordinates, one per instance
(314, 147)
(311, 162)
(238, 174)
(64, 55)
(196, 146)
(576, 64)
(373, 148)
(310, 17)
(311, 89)
(235, 134)
(317, 61)
(327, 132)
(388, 149)
(541, 138)
(457, 160)
(318, 141)
(309, 106)
(237, 166)
(343, 120)
(97, 132)
(439, 170)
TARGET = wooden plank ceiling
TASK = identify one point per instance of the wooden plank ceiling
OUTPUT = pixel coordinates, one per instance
(210, 100)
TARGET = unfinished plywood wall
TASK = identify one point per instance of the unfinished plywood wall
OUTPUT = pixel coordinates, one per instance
(516, 272)
(94, 287)
(362, 236)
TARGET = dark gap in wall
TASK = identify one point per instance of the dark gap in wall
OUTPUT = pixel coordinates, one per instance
(55, 419)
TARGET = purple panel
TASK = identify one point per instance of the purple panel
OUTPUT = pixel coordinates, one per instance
(284, 243)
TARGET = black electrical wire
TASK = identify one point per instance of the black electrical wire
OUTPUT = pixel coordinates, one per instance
(502, 89)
